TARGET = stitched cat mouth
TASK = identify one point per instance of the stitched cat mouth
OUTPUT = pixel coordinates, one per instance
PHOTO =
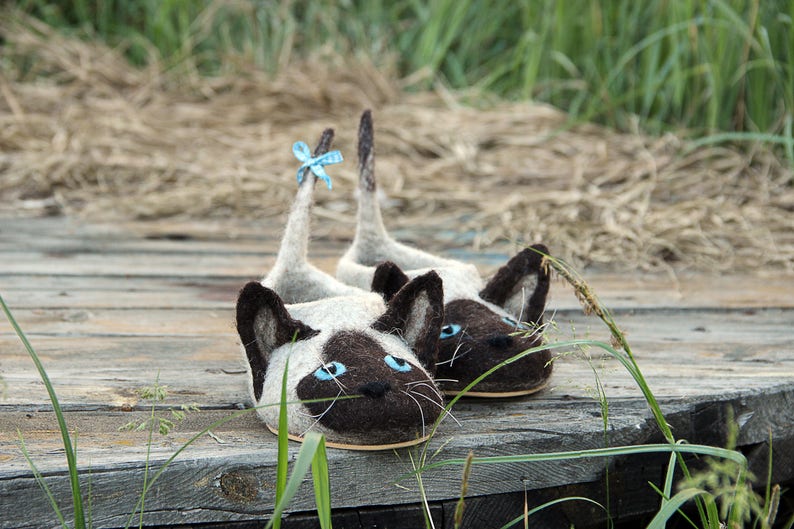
(388, 396)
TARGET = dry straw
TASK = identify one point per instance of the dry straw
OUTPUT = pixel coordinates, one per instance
(83, 133)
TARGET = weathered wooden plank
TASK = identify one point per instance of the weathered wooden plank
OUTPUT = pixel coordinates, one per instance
(226, 235)
(106, 373)
(119, 243)
(163, 319)
(121, 265)
(206, 290)
(39, 256)
(208, 469)
(90, 292)
(111, 307)
(756, 326)
(122, 321)
(99, 362)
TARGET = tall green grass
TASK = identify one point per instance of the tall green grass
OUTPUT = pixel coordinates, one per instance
(705, 66)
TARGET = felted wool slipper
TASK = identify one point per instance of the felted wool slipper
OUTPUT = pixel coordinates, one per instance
(485, 324)
(360, 383)
(360, 367)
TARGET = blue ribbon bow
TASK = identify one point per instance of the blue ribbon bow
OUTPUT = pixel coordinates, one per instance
(302, 153)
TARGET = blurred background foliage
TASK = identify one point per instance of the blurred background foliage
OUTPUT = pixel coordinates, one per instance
(715, 68)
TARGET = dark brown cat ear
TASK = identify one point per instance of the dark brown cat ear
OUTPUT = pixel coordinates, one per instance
(416, 313)
(388, 280)
(264, 324)
(521, 286)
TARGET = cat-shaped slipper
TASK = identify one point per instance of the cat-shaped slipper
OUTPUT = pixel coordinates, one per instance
(364, 365)
(484, 323)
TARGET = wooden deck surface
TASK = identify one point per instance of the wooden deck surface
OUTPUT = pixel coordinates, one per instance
(112, 308)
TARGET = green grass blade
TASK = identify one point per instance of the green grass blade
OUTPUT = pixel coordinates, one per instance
(787, 141)
(703, 450)
(592, 304)
(712, 512)
(90, 505)
(483, 376)
(668, 480)
(601, 396)
(422, 493)
(40, 480)
(464, 487)
(300, 468)
(771, 494)
(71, 453)
(674, 64)
(546, 505)
(283, 447)
(322, 485)
(659, 521)
(668, 477)
(147, 464)
(667, 491)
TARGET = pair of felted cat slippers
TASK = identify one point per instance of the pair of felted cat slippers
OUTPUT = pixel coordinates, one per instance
(366, 365)
(358, 369)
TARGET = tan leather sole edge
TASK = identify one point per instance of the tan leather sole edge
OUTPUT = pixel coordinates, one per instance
(368, 448)
(498, 395)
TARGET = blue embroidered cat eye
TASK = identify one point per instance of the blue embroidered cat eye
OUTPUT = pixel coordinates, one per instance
(304, 154)
(398, 364)
(450, 330)
(330, 371)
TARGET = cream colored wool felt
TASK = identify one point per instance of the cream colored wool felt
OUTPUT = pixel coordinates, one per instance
(292, 276)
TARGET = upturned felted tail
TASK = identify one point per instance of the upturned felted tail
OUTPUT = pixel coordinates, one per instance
(292, 276)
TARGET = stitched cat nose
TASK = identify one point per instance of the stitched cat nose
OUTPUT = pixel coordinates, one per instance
(374, 390)
(500, 340)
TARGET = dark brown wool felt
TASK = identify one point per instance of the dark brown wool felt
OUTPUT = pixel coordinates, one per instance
(416, 313)
(485, 340)
(264, 324)
(508, 280)
(323, 145)
(387, 399)
(388, 279)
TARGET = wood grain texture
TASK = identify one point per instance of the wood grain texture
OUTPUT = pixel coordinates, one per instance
(112, 308)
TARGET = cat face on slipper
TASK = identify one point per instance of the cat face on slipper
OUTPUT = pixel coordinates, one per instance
(368, 361)
(478, 333)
